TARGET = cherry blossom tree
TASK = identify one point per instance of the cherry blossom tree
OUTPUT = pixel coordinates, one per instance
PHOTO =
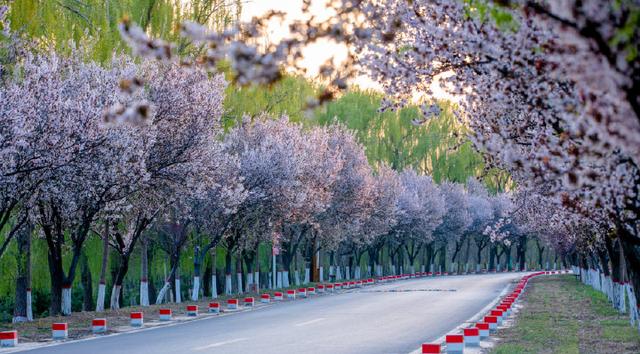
(456, 218)
(421, 208)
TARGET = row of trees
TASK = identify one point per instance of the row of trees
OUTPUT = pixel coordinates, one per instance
(549, 92)
(173, 177)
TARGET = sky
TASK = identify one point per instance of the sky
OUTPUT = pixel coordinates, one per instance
(318, 53)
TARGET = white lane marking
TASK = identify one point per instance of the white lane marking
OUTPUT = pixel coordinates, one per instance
(309, 322)
(218, 344)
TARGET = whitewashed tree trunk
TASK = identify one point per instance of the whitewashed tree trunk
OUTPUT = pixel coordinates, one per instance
(279, 280)
(338, 273)
(411, 269)
(321, 274)
(249, 282)
(256, 278)
(101, 293)
(196, 288)
(332, 270)
(144, 293)
(66, 301)
(306, 276)
(178, 291)
(347, 273)
(285, 279)
(163, 292)
(115, 298)
(228, 286)
(144, 265)
(239, 281)
(29, 306)
(214, 287)
(296, 277)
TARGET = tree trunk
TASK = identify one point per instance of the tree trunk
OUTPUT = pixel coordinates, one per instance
(144, 270)
(87, 289)
(197, 262)
(22, 310)
(103, 269)
(214, 274)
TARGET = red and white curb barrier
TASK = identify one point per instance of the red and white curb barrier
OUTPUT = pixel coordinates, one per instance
(320, 288)
(249, 302)
(291, 294)
(165, 314)
(192, 310)
(232, 304)
(59, 331)
(311, 291)
(278, 296)
(137, 319)
(329, 288)
(302, 292)
(472, 336)
(265, 298)
(99, 325)
(483, 329)
(214, 307)
(455, 343)
(8, 338)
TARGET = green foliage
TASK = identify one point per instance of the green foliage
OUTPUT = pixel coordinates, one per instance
(438, 148)
(95, 22)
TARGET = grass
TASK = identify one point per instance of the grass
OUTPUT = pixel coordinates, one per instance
(562, 315)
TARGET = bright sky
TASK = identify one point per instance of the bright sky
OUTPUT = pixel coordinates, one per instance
(316, 54)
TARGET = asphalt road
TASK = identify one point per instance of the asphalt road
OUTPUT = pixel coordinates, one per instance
(391, 318)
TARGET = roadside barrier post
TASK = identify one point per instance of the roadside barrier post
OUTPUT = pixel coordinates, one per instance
(59, 331)
(8, 338)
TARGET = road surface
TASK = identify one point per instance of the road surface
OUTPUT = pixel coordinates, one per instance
(391, 318)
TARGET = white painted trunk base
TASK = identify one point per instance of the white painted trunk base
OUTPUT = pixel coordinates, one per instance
(114, 304)
(228, 288)
(144, 293)
(66, 301)
(100, 302)
(307, 278)
(296, 277)
(214, 287)
(178, 291)
(285, 279)
(29, 306)
(279, 280)
(256, 279)
(239, 282)
(163, 293)
(196, 289)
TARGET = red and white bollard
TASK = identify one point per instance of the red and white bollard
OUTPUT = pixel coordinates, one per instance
(8, 338)
(249, 302)
(471, 336)
(455, 343)
(499, 315)
(137, 319)
(370, 281)
(59, 331)
(483, 329)
(278, 296)
(165, 314)
(232, 304)
(99, 325)
(302, 292)
(291, 294)
(431, 348)
(320, 288)
(265, 298)
(492, 321)
(330, 288)
(311, 291)
(192, 310)
(214, 307)
(337, 286)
